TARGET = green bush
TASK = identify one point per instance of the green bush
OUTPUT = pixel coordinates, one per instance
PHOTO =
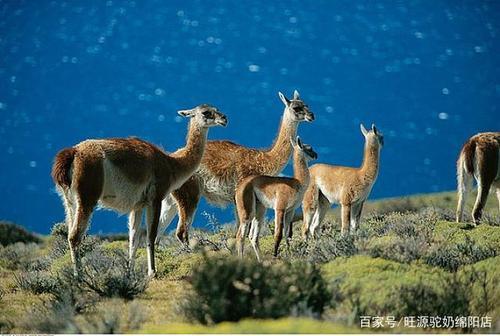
(485, 286)
(18, 256)
(11, 233)
(108, 273)
(452, 256)
(404, 225)
(402, 237)
(58, 242)
(38, 282)
(447, 297)
(49, 317)
(330, 245)
(393, 247)
(378, 287)
(229, 289)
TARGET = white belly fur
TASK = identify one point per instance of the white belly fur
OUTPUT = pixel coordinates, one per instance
(332, 194)
(268, 203)
(120, 194)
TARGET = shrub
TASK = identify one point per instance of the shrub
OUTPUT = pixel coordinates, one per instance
(11, 233)
(379, 287)
(438, 213)
(452, 256)
(49, 317)
(108, 273)
(328, 246)
(58, 242)
(113, 317)
(410, 224)
(392, 247)
(424, 299)
(485, 285)
(54, 317)
(18, 256)
(38, 282)
(176, 264)
(402, 237)
(490, 219)
(229, 289)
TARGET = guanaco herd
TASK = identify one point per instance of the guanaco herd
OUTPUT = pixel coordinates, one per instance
(133, 176)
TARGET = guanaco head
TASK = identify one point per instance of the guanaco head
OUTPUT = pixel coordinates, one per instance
(296, 107)
(205, 115)
(306, 150)
(373, 136)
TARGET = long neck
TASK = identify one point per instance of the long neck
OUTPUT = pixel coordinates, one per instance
(189, 156)
(300, 169)
(370, 165)
(279, 152)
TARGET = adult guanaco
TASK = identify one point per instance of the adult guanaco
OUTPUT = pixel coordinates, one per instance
(127, 175)
(479, 159)
(346, 186)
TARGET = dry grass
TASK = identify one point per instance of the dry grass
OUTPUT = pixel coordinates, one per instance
(403, 251)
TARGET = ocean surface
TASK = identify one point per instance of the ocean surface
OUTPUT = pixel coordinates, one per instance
(427, 73)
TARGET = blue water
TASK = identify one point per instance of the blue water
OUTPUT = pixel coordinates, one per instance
(426, 72)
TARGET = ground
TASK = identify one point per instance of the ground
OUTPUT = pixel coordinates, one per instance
(409, 258)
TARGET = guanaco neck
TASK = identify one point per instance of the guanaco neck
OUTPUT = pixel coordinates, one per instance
(300, 169)
(369, 168)
(279, 152)
(189, 157)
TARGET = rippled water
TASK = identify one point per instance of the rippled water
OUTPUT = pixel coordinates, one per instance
(427, 73)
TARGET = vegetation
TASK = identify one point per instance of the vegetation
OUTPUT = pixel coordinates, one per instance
(226, 288)
(407, 259)
(11, 233)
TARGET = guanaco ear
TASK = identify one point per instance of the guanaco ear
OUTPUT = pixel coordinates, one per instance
(296, 95)
(374, 129)
(284, 99)
(186, 113)
(363, 129)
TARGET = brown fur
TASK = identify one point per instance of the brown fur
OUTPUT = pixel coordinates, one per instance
(347, 186)
(61, 167)
(128, 175)
(133, 157)
(255, 193)
(468, 151)
(479, 158)
(230, 163)
(187, 207)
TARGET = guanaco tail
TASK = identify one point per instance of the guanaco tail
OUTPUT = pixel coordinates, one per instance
(225, 164)
(127, 175)
(255, 194)
(346, 186)
(479, 159)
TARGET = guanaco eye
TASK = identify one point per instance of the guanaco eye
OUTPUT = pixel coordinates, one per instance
(207, 114)
(297, 108)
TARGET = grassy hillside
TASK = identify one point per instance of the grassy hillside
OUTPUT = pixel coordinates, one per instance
(408, 259)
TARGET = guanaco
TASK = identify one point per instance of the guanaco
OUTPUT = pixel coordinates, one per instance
(255, 194)
(225, 164)
(127, 175)
(347, 186)
(479, 159)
